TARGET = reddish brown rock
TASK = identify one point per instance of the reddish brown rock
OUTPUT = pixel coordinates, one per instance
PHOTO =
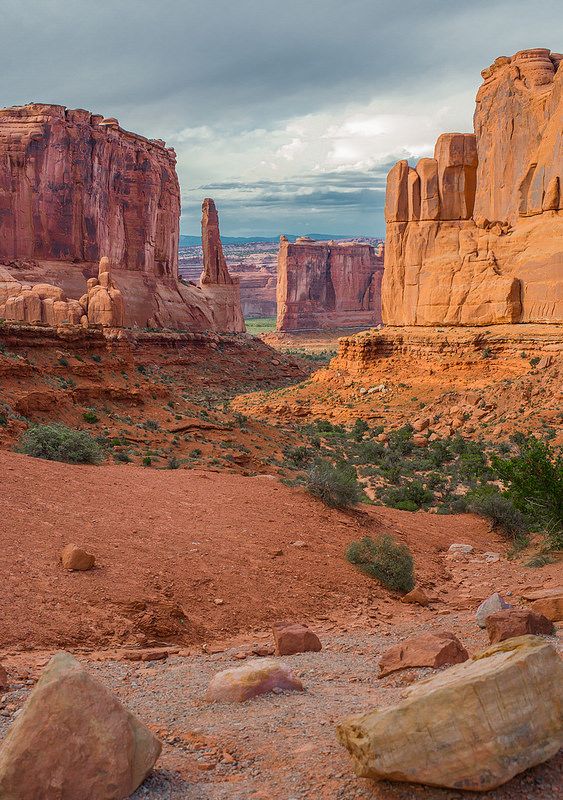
(428, 650)
(221, 290)
(417, 596)
(4, 683)
(74, 741)
(550, 607)
(74, 558)
(291, 638)
(516, 622)
(328, 284)
(484, 243)
(75, 187)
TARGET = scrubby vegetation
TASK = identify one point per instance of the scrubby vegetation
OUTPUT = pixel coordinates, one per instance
(517, 485)
(334, 484)
(59, 443)
(385, 560)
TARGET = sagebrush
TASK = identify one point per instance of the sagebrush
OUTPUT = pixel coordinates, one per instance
(334, 484)
(58, 443)
(385, 560)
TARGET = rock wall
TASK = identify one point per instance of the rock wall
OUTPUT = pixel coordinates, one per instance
(328, 285)
(475, 234)
(221, 290)
(75, 187)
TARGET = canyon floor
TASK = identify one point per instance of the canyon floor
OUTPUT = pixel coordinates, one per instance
(202, 549)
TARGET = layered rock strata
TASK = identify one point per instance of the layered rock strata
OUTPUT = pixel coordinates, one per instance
(74, 187)
(221, 290)
(328, 285)
(475, 234)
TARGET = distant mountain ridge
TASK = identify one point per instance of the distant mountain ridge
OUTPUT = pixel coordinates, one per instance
(194, 241)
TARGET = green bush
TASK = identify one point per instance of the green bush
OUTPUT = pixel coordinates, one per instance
(90, 417)
(298, 455)
(413, 494)
(359, 429)
(385, 560)
(334, 484)
(58, 443)
(500, 510)
(121, 457)
(534, 482)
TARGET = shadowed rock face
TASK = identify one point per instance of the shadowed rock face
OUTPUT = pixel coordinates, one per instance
(75, 187)
(475, 234)
(328, 285)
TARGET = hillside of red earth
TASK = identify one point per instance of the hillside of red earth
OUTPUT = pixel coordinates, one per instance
(472, 381)
(159, 398)
(218, 555)
(191, 571)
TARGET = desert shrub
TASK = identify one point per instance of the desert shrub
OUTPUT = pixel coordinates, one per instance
(405, 505)
(298, 455)
(58, 443)
(3, 419)
(385, 560)
(173, 463)
(414, 494)
(369, 452)
(473, 461)
(540, 560)
(96, 358)
(359, 429)
(90, 417)
(400, 441)
(334, 484)
(151, 425)
(500, 510)
(121, 457)
(147, 461)
(534, 483)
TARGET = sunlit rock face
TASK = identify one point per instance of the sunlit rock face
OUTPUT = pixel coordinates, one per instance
(328, 285)
(475, 234)
(76, 187)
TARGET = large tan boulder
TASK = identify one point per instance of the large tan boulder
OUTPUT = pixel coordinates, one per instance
(74, 741)
(472, 727)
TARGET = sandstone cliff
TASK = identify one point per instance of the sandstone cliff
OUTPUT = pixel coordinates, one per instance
(475, 234)
(75, 187)
(328, 285)
(221, 290)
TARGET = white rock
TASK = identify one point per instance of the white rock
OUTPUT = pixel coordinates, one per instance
(489, 606)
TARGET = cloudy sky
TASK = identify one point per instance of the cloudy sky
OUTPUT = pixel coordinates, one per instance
(287, 112)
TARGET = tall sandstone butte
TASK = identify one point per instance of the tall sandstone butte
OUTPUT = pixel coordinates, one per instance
(475, 234)
(328, 285)
(76, 187)
(222, 290)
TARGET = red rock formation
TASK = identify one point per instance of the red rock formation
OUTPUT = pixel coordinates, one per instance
(475, 235)
(222, 291)
(75, 187)
(328, 285)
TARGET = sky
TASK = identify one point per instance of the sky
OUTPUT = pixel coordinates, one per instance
(289, 113)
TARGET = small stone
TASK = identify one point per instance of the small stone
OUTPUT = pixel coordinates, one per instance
(461, 548)
(254, 678)
(416, 596)
(427, 650)
(291, 638)
(513, 622)
(74, 558)
(299, 544)
(491, 605)
(219, 601)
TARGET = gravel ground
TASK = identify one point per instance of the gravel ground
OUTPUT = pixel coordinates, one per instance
(279, 747)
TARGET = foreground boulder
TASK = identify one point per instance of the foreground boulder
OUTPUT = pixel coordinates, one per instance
(435, 650)
(491, 605)
(291, 638)
(517, 622)
(75, 558)
(254, 678)
(417, 596)
(471, 727)
(74, 741)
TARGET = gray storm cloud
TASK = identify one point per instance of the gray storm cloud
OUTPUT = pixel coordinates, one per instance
(312, 99)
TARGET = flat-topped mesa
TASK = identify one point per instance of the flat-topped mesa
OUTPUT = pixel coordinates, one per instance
(221, 290)
(76, 187)
(475, 234)
(328, 285)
